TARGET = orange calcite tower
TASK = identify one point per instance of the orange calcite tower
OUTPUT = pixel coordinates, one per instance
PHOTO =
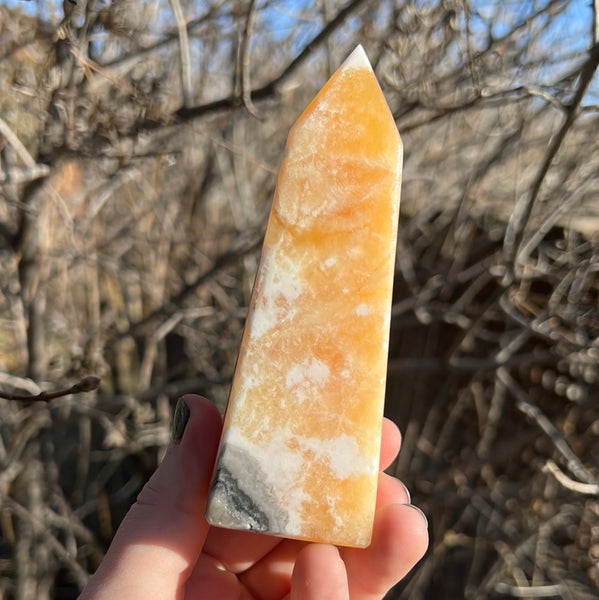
(300, 448)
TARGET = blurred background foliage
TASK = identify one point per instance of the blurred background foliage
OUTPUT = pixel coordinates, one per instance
(139, 146)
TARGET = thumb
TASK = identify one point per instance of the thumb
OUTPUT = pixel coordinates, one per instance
(161, 537)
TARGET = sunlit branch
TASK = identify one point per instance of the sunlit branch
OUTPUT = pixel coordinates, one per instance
(87, 384)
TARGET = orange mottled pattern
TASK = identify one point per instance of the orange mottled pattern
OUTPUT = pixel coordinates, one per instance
(312, 364)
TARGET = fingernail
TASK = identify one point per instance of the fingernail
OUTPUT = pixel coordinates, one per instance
(180, 419)
(421, 513)
(405, 487)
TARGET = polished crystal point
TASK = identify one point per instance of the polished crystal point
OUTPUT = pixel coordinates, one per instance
(300, 448)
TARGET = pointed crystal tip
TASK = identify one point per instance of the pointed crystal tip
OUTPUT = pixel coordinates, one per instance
(357, 59)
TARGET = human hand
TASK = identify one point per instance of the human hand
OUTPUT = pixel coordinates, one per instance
(165, 549)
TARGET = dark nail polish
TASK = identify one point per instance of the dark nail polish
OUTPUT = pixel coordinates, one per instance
(180, 419)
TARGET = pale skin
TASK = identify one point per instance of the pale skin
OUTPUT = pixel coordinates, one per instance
(165, 549)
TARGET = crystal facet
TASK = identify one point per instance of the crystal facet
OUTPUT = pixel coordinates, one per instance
(300, 448)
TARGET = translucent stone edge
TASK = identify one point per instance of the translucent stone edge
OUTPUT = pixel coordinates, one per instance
(357, 59)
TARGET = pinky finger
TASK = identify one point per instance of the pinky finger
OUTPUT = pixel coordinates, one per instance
(319, 574)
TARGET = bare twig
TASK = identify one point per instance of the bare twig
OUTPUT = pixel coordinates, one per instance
(87, 384)
(226, 259)
(89, 65)
(246, 87)
(45, 533)
(466, 363)
(184, 52)
(17, 144)
(24, 175)
(531, 410)
(493, 420)
(523, 210)
(550, 220)
(20, 382)
(169, 37)
(270, 88)
(533, 591)
(588, 489)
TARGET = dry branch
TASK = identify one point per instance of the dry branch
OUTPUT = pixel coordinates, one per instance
(268, 90)
(560, 444)
(588, 489)
(184, 52)
(16, 143)
(523, 210)
(246, 86)
(87, 384)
